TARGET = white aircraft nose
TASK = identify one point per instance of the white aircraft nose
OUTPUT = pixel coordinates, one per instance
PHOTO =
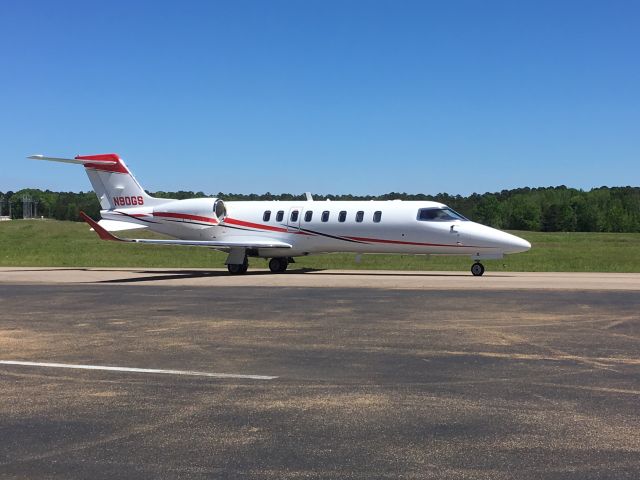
(493, 238)
(516, 244)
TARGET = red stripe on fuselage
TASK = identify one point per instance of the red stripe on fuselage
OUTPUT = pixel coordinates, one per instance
(185, 216)
(400, 242)
(133, 214)
(233, 221)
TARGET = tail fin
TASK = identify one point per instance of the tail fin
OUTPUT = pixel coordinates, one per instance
(112, 181)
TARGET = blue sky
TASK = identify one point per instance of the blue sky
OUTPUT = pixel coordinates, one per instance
(328, 96)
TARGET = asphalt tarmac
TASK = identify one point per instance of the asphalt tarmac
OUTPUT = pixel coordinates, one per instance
(369, 383)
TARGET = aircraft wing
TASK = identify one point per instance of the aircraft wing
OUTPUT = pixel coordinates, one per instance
(240, 242)
(116, 226)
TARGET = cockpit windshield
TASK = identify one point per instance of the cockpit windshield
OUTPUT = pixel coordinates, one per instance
(439, 214)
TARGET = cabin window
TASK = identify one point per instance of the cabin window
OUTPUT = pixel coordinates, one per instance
(294, 216)
(266, 216)
(308, 215)
(325, 216)
(342, 216)
(279, 215)
(359, 216)
(377, 216)
(439, 214)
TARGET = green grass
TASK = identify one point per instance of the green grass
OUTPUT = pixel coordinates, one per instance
(39, 243)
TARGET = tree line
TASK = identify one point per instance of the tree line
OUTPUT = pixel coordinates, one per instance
(549, 209)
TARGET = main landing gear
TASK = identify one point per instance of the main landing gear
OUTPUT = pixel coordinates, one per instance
(278, 264)
(238, 268)
(477, 269)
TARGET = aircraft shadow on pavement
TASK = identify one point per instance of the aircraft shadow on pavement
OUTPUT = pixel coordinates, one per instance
(159, 275)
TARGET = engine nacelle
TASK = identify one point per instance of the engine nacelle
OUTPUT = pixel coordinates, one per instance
(195, 212)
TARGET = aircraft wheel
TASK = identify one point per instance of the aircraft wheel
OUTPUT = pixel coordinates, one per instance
(477, 269)
(235, 268)
(278, 265)
(238, 268)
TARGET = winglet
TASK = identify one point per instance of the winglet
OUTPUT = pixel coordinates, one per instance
(102, 233)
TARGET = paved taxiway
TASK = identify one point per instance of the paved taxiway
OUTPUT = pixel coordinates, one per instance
(327, 278)
(387, 382)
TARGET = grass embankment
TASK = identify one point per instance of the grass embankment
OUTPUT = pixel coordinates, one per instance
(43, 243)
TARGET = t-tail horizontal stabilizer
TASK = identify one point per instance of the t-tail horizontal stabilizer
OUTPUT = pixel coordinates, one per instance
(81, 161)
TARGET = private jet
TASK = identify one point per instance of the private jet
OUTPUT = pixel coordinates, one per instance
(282, 230)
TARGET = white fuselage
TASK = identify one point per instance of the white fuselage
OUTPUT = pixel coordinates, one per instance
(282, 230)
(349, 226)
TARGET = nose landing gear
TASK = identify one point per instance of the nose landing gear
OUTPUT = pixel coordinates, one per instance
(477, 269)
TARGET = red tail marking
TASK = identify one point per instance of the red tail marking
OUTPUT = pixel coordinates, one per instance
(117, 167)
(102, 233)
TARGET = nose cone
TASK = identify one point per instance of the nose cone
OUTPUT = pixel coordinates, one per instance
(513, 244)
(503, 242)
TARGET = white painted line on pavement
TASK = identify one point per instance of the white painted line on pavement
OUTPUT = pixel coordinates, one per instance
(137, 370)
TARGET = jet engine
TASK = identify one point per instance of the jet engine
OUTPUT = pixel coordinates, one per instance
(193, 212)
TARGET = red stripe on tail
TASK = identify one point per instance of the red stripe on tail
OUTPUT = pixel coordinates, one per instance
(117, 167)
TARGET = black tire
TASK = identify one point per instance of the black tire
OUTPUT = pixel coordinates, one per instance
(278, 265)
(477, 269)
(236, 268)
